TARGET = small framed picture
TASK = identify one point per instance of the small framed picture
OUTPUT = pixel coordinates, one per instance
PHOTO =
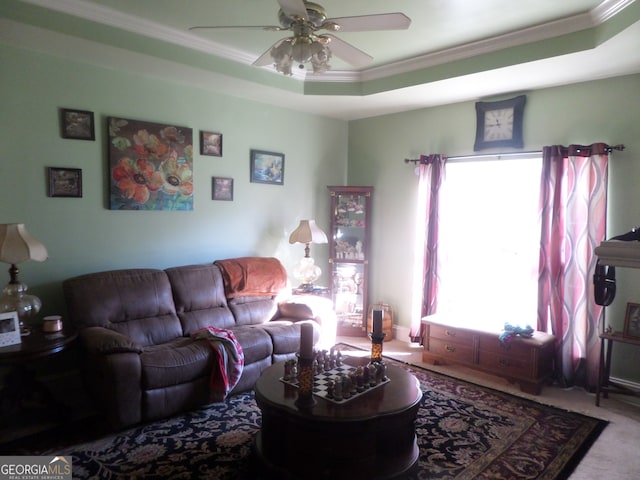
(632, 321)
(65, 182)
(222, 188)
(211, 144)
(77, 124)
(9, 329)
(267, 167)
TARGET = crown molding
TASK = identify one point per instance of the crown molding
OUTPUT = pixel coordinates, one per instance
(108, 16)
(608, 9)
(141, 26)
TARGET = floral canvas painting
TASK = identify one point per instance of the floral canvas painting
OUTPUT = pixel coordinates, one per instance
(150, 166)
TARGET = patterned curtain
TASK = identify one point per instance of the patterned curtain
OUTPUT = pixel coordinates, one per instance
(573, 200)
(431, 173)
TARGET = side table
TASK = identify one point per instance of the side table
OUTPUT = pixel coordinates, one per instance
(315, 291)
(19, 385)
(605, 385)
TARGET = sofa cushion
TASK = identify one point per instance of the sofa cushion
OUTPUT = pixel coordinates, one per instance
(137, 303)
(286, 335)
(255, 342)
(198, 294)
(179, 361)
(253, 310)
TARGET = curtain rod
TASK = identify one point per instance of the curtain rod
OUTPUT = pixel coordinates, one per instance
(480, 155)
(501, 155)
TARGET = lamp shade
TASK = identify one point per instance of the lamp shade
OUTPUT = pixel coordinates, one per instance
(17, 245)
(308, 232)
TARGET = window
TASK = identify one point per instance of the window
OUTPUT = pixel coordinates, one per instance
(489, 242)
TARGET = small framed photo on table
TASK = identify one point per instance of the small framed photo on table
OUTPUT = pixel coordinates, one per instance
(9, 329)
(632, 321)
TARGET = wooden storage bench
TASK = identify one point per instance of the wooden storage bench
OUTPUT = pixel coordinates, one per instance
(526, 361)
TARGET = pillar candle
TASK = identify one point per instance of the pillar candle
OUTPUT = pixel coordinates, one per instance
(377, 322)
(306, 340)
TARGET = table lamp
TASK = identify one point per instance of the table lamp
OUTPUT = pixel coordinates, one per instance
(17, 246)
(306, 271)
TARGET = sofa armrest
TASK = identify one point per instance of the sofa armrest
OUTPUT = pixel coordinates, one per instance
(295, 311)
(100, 340)
(312, 307)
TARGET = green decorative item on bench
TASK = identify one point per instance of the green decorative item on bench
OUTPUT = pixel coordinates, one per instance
(511, 331)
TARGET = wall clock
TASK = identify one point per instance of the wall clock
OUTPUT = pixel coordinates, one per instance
(499, 124)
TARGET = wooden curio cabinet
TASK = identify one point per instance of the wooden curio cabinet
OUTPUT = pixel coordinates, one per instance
(349, 248)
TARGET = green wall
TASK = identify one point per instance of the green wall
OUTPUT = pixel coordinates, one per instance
(82, 235)
(600, 111)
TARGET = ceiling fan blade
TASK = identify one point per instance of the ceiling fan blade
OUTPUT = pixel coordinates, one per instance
(367, 23)
(266, 59)
(348, 52)
(294, 8)
(273, 28)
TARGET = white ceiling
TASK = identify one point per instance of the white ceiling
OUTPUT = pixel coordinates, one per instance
(442, 32)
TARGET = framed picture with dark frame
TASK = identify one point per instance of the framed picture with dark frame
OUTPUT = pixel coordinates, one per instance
(267, 167)
(222, 188)
(65, 182)
(77, 124)
(211, 144)
(632, 321)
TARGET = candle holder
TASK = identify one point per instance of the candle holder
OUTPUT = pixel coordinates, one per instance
(376, 346)
(305, 383)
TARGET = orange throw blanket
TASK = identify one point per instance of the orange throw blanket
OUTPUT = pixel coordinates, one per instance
(252, 276)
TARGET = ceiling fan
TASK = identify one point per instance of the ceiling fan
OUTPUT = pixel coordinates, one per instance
(307, 45)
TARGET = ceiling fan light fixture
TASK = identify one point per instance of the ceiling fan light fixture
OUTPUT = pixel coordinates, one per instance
(301, 50)
(330, 26)
(308, 46)
(282, 58)
(320, 61)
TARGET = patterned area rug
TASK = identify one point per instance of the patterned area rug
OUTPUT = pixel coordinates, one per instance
(464, 431)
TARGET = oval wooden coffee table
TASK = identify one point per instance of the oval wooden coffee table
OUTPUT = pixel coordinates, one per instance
(370, 436)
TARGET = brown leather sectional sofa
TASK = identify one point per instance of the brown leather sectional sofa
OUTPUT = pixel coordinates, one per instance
(134, 325)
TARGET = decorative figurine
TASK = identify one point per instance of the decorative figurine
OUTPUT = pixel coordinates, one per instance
(330, 387)
(287, 370)
(372, 374)
(337, 389)
(346, 386)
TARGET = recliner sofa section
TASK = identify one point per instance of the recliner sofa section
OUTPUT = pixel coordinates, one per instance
(135, 326)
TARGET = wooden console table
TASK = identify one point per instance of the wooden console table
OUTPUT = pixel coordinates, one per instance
(527, 361)
(605, 385)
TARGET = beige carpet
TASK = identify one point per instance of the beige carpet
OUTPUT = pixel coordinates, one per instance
(614, 455)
